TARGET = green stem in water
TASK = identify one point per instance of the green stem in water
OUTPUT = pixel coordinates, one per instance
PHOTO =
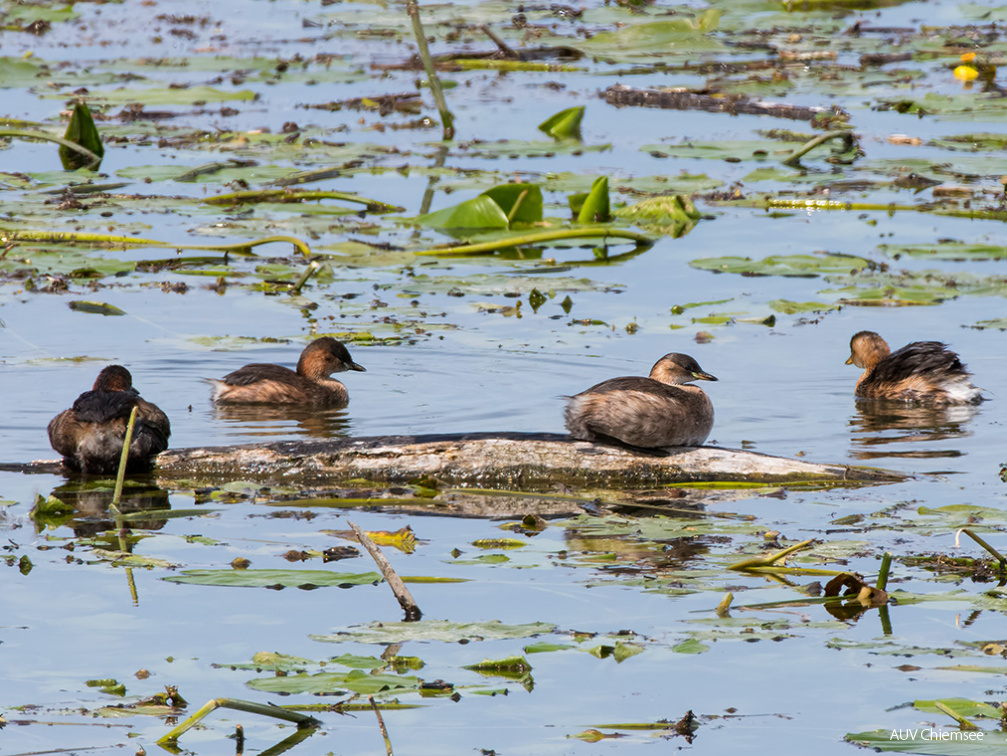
(293, 195)
(886, 564)
(42, 136)
(268, 710)
(447, 117)
(471, 64)
(517, 206)
(124, 458)
(886, 620)
(381, 726)
(538, 238)
(772, 559)
(963, 723)
(308, 272)
(11, 235)
(770, 203)
(289, 742)
(848, 144)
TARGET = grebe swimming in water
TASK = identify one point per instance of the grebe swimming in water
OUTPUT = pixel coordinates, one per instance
(924, 372)
(309, 385)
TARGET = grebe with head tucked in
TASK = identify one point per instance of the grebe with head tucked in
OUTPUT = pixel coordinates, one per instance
(309, 385)
(654, 412)
(923, 372)
(89, 435)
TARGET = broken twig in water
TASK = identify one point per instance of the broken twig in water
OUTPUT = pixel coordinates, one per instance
(772, 560)
(296, 288)
(405, 599)
(996, 554)
(504, 47)
(381, 725)
(849, 143)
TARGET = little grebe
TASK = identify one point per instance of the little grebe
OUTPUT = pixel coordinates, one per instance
(653, 412)
(924, 372)
(273, 384)
(89, 435)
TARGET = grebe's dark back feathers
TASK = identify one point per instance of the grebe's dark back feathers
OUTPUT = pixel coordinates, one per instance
(920, 358)
(102, 406)
(255, 372)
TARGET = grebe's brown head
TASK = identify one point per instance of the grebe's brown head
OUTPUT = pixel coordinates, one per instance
(113, 378)
(676, 369)
(323, 357)
(867, 349)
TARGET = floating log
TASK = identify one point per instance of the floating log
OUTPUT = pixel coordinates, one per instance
(514, 461)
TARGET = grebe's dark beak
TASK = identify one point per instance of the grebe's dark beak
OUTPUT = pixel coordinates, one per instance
(701, 376)
(355, 366)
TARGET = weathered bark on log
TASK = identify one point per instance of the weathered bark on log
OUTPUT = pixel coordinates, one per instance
(671, 99)
(504, 460)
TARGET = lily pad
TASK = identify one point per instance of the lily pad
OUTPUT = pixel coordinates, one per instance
(799, 266)
(565, 124)
(679, 36)
(170, 96)
(934, 741)
(436, 630)
(275, 578)
(323, 683)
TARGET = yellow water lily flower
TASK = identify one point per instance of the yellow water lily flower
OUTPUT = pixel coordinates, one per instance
(966, 73)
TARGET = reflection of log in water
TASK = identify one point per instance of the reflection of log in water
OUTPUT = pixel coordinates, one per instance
(510, 460)
(886, 423)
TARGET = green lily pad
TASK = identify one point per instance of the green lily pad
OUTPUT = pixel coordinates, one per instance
(436, 630)
(16, 73)
(948, 250)
(963, 707)
(927, 740)
(170, 96)
(356, 681)
(508, 665)
(731, 150)
(792, 308)
(679, 36)
(95, 308)
(619, 651)
(691, 646)
(478, 212)
(81, 131)
(565, 124)
(520, 203)
(592, 207)
(275, 578)
(799, 266)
